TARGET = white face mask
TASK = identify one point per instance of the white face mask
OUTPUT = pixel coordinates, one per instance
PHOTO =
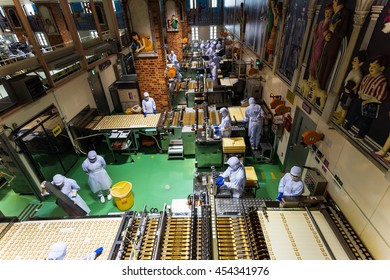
(146, 98)
(294, 178)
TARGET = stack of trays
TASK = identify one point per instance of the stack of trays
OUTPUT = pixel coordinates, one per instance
(237, 113)
(251, 177)
(233, 145)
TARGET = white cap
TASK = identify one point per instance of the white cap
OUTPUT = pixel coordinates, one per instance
(58, 179)
(233, 162)
(92, 154)
(57, 251)
(296, 171)
(146, 94)
(252, 100)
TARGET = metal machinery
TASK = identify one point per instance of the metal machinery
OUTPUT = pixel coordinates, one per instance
(185, 125)
(202, 227)
(122, 132)
(208, 146)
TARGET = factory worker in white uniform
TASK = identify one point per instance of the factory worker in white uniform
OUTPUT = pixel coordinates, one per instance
(57, 251)
(148, 104)
(178, 74)
(254, 114)
(98, 179)
(226, 124)
(234, 177)
(172, 57)
(291, 183)
(69, 187)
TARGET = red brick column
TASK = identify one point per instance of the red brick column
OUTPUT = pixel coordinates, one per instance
(150, 70)
(174, 38)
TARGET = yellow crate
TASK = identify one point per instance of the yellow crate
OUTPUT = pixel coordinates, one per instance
(251, 177)
(233, 145)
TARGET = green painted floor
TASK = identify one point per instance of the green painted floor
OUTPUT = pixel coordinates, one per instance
(155, 181)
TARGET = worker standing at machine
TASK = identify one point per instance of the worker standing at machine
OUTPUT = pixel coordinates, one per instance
(69, 187)
(58, 250)
(254, 114)
(234, 177)
(148, 105)
(172, 57)
(291, 183)
(98, 179)
(226, 124)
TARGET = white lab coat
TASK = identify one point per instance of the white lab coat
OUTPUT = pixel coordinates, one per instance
(289, 187)
(172, 57)
(226, 126)
(237, 180)
(69, 186)
(58, 252)
(98, 179)
(254, 114)
(148, 106)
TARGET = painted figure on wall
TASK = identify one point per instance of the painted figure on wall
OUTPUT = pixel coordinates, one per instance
(386, 24)
(351, 84)
(338, 27)
(276, 9)
(173, 23)
(141, 43)
(319, 40)
(292, 38)
(49, 27)
(372, 92)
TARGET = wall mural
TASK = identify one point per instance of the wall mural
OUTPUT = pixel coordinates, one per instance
(256, 11)
(293, 32)
(369, 110)
(171, 15)
(141, 34)
(49, 25)
(330, 35)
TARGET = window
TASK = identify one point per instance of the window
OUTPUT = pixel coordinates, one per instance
(214, 3)
(41, 39)
(213, 32)
(93, 34)
(192, 4)
(195, 33)
(86, 7)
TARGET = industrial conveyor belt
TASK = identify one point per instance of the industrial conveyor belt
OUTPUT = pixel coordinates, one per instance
(31, 240)
(127, 122)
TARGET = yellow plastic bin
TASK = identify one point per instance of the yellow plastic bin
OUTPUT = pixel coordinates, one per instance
(123, 195)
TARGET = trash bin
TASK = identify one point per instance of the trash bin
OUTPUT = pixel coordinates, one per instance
(123, 195)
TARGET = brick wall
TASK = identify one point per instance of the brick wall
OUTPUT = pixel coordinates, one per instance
(150, 70)
(174, 38)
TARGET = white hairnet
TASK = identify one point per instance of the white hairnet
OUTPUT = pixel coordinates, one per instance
(296, 171)
(252, 100)
(146, 94)
(223, 111)
(233, 162)
(92, 154)
(58, 179)
(57, 251)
